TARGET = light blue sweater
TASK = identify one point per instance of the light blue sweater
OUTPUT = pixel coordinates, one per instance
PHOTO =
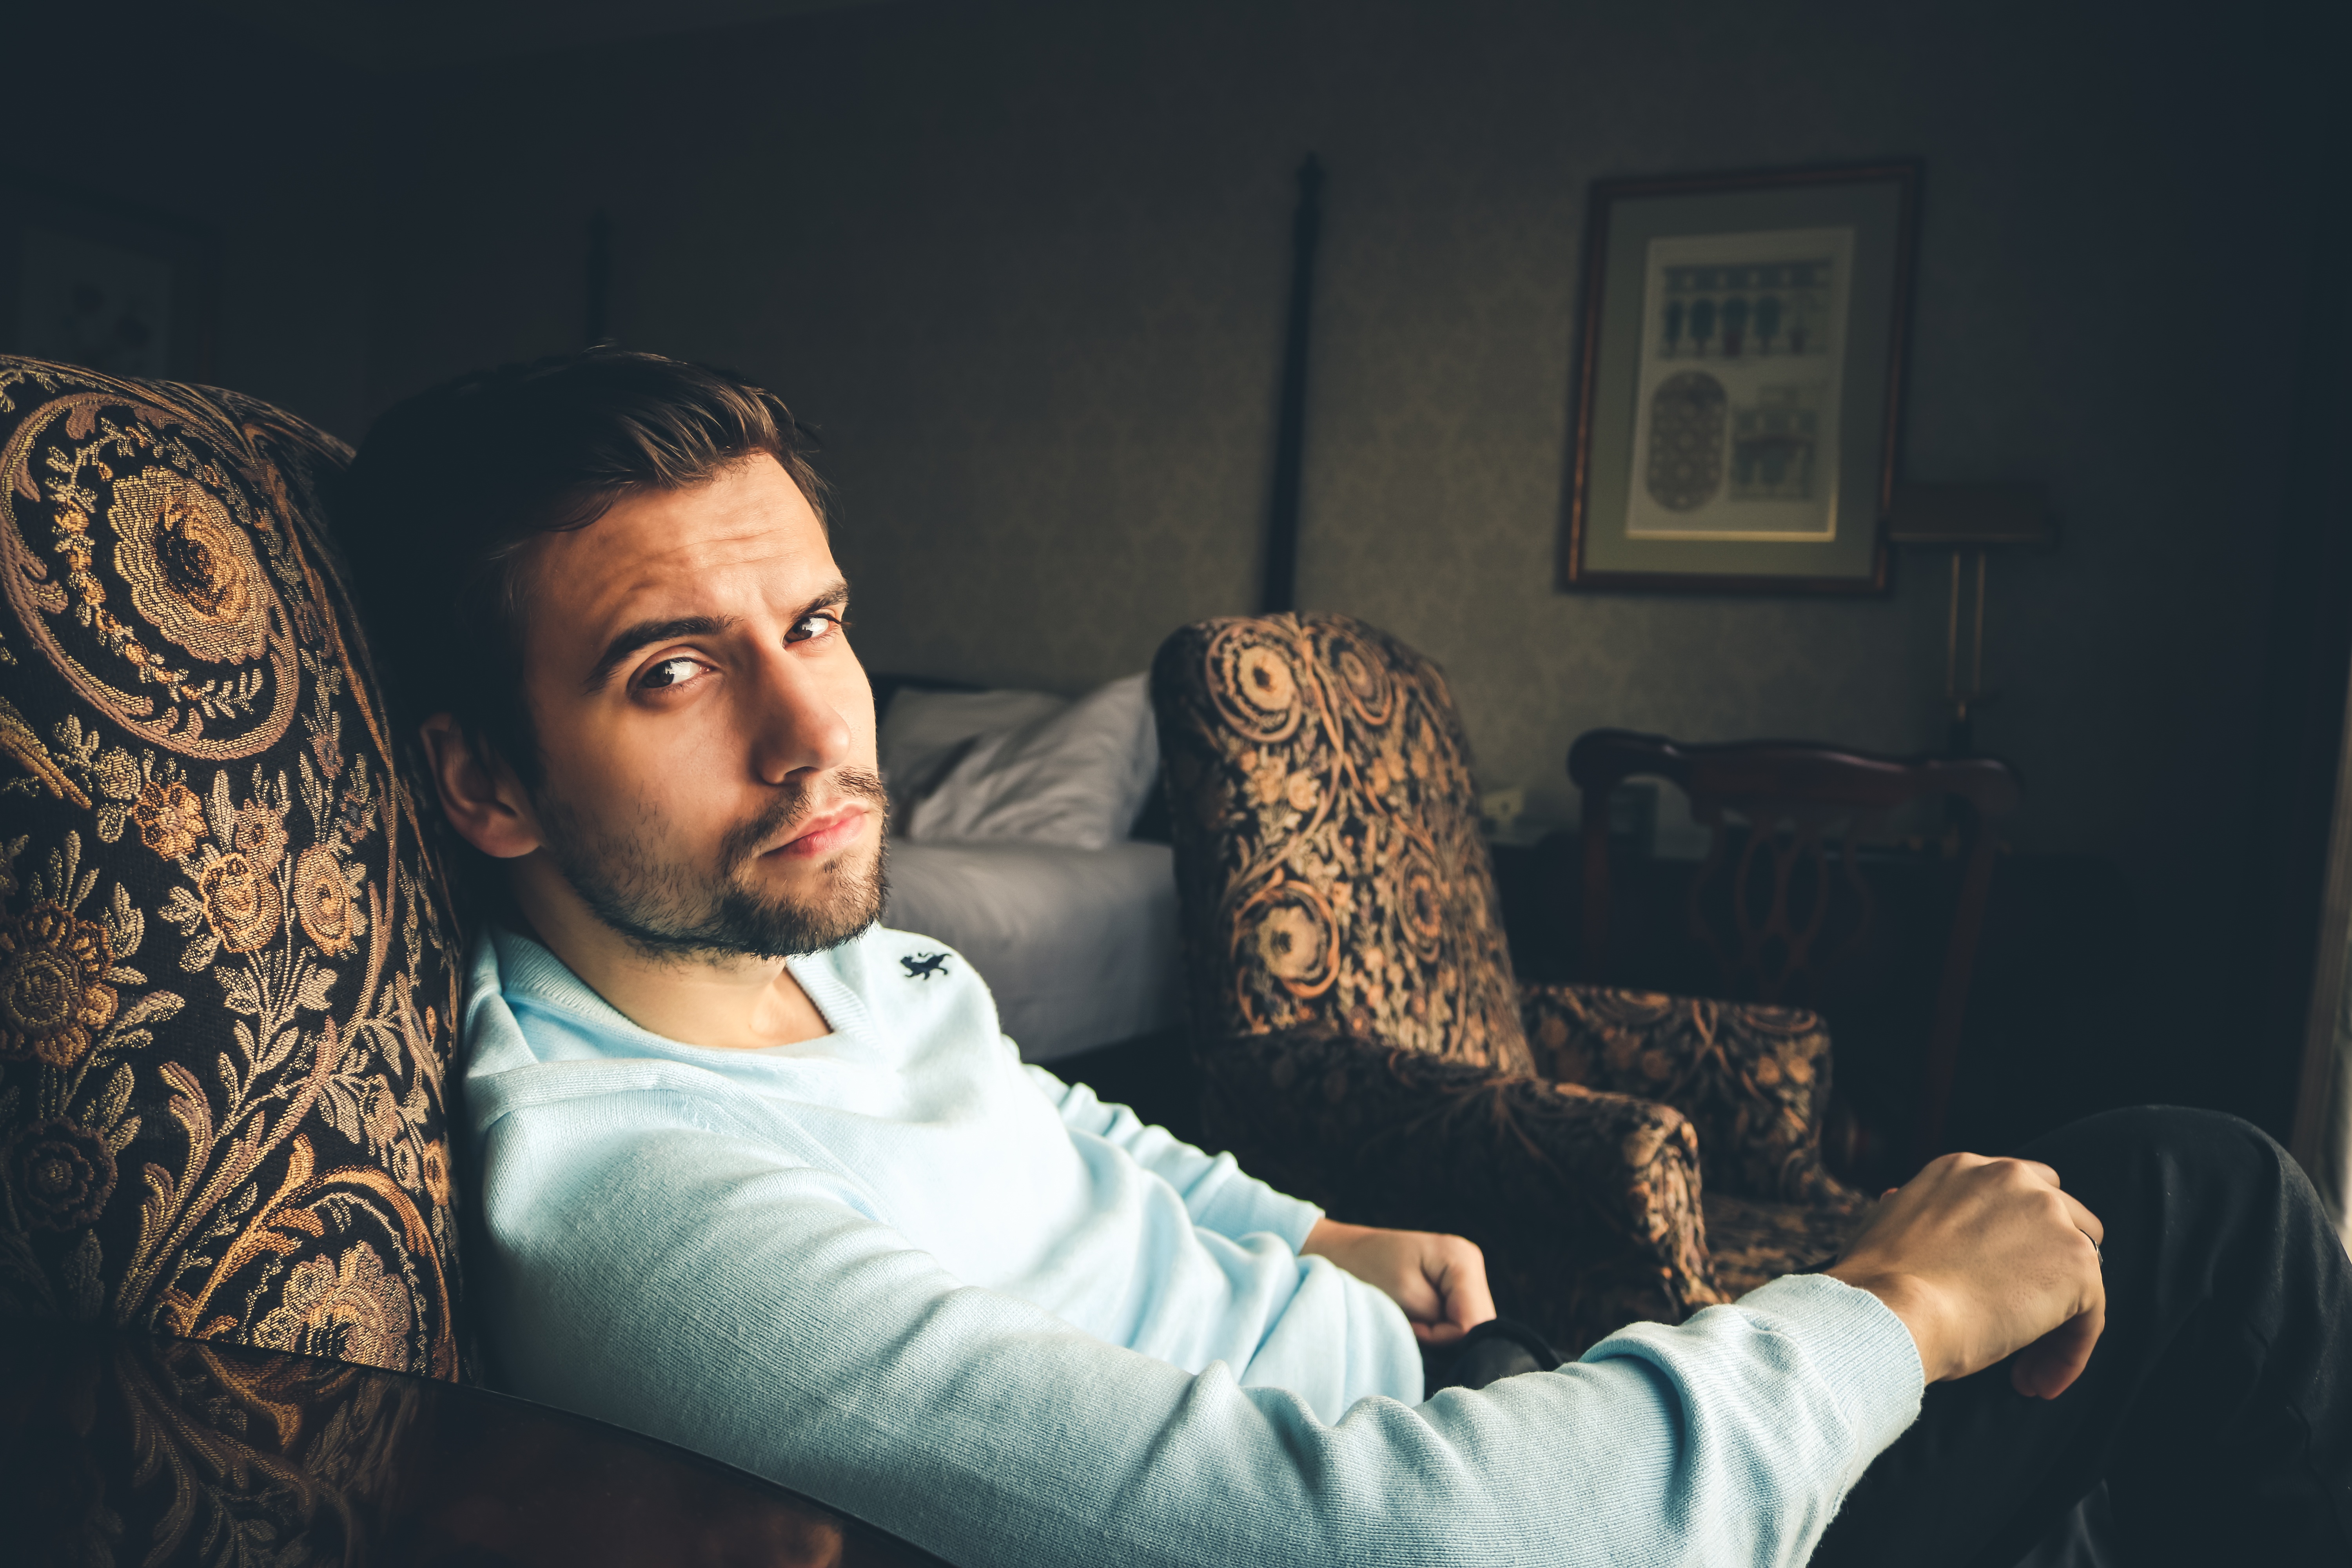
(896, 1270)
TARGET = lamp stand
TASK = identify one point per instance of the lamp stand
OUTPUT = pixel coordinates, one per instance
(1960, 740)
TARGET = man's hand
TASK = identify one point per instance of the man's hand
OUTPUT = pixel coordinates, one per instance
(1439, 1280)
(1983, 1258)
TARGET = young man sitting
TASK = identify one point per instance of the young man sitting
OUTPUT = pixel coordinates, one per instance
(758, 1177)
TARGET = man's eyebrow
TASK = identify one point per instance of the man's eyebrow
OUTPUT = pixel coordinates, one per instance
(644, 633)
(832, 598)
(631, 638)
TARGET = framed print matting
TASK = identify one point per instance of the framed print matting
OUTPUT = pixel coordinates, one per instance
(1739, 381)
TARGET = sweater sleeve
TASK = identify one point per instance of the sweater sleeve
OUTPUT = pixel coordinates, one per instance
(1217, 1193)
(698, 1285)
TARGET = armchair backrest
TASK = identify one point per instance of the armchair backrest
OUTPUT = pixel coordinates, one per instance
(228, 971)
(1328, 855)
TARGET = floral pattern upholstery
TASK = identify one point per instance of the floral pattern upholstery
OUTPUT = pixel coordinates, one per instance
(229, 975)
(1618, 1155)
(1328, 852)
(177, 1452)
(125, 1451)
(1753, 1080)
(1586, 1203)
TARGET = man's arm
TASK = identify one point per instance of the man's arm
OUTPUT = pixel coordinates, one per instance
(1439, 1281)
(700, 1286)
(1217, 1193)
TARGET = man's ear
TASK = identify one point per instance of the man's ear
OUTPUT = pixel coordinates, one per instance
(485, 803)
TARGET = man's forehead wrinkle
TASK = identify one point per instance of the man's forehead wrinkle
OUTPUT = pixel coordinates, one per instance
(722, 590)
(682, 578)
(663, 562)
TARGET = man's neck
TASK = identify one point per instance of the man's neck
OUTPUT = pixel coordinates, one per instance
(726, 1003)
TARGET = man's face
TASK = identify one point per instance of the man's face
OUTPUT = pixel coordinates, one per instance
(708, 736)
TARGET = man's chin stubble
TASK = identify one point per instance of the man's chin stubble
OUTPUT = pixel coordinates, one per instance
(652, 907)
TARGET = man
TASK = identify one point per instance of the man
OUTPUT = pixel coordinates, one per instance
(753, 1182)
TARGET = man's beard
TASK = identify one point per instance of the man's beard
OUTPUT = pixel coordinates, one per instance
(674, 911)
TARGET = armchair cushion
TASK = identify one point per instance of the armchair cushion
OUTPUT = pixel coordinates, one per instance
(1586, 1203)
(228, 976)
(1753, 1080)
(1753, 1240)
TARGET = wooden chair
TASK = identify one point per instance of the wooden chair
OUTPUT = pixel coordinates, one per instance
(1781, 903)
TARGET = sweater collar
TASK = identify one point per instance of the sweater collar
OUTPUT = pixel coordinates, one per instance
(528, 971)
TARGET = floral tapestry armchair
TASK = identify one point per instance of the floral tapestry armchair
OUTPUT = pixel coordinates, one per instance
(1618, 1155)
(229, 975)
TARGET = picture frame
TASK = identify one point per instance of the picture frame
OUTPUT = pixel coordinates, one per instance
(106, 285)
(1739, 381)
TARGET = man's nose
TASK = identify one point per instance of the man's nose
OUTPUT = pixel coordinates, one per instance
(795, 724)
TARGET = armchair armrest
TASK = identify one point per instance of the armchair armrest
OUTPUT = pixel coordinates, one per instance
(1753, 1080)
(1586, 1204)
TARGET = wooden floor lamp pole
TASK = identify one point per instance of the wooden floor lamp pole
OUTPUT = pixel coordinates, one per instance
(1281, 574)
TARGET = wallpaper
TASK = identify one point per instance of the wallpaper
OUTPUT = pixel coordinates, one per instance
(193, 120)
(1023, 264)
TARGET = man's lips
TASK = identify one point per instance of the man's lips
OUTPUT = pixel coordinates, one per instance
(825, 834)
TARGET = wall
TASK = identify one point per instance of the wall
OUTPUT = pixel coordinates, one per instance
(1024, 266)
(1022, 263)
(2083, 318)
(1033, 314)
(263, 142)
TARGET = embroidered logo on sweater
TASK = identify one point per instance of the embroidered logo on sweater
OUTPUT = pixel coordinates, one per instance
(923, 965)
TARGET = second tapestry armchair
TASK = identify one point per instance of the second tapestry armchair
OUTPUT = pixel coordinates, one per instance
(1618, 1155)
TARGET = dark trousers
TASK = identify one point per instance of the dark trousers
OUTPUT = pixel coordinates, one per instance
(2216, 1404)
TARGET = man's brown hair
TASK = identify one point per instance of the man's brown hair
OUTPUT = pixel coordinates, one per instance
(439, 508)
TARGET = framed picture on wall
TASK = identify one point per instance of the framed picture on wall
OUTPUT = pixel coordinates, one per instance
(1739, 380)
(88, 281)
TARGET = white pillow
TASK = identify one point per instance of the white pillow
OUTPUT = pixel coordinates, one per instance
(1078, 777)
(924, 731)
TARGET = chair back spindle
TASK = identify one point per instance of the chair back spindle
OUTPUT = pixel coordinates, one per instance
(1781, 903)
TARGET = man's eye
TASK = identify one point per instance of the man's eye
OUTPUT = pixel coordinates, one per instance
(669, 672)
(808, 628)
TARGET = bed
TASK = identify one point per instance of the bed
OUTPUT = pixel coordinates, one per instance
(1024, 837)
